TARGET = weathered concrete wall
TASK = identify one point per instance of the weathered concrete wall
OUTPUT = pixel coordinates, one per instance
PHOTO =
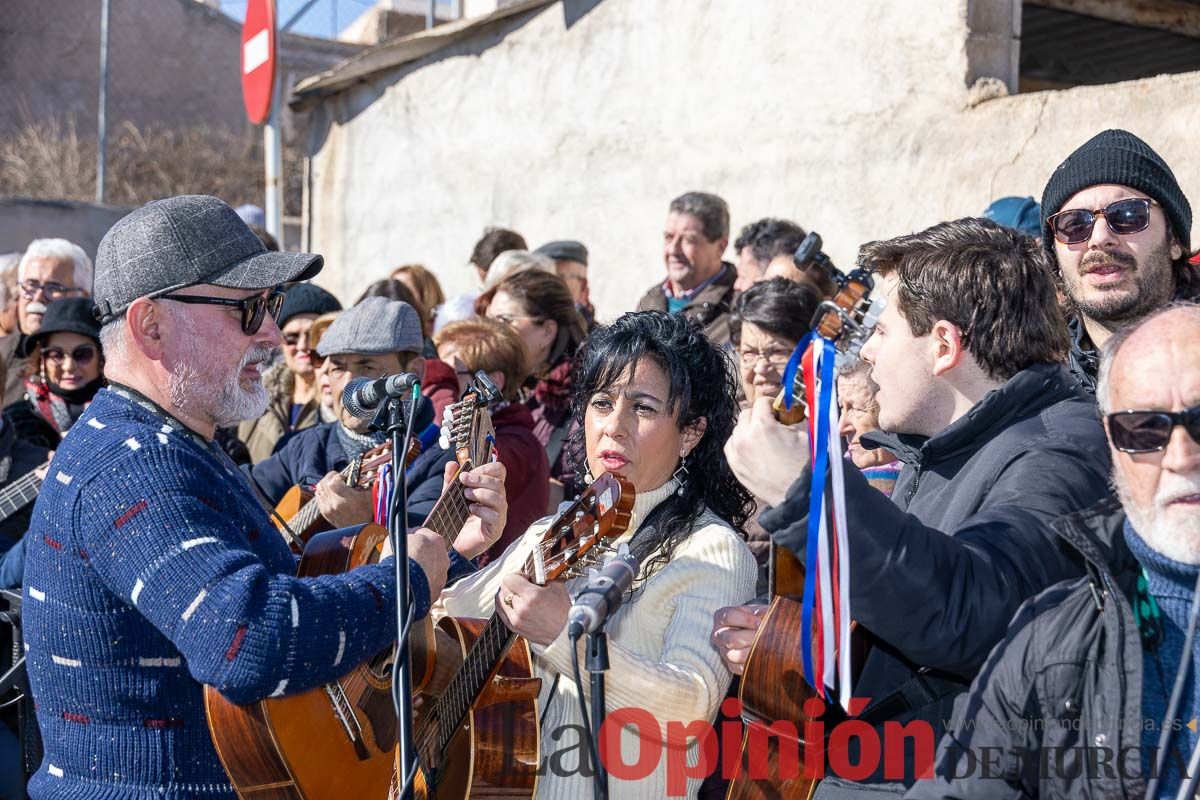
(22, 221)
(854, 119)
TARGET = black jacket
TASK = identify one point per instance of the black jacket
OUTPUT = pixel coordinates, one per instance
(1084, 359)
(1067, 679)
(938, 570)
(311, 454)
(17, 457)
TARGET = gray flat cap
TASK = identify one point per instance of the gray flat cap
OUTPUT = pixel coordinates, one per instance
(374, 326)
(182, 241)
(565, 250)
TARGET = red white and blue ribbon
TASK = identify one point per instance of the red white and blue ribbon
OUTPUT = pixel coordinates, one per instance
(382, 490)
(825, 615)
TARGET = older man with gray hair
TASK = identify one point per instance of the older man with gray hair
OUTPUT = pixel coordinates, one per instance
(699, 283)
(1093, 691)
(151, 568)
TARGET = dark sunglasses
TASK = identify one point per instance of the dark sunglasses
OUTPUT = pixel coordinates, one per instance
(254, 308)
(1124, 217)
(1148, 431)
(81, 355)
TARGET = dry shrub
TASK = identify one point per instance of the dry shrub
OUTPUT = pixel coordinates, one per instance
(50, 160)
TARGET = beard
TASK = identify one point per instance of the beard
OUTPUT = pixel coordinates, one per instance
(198, 388)
(1154, 284)
(1172, 530)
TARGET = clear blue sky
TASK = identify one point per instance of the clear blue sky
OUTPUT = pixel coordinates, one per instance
(325, 18)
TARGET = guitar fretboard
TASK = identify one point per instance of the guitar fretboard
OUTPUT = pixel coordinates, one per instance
(450, 512)
(20, 493)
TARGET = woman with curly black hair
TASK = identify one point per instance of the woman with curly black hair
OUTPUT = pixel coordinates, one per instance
(654, 400)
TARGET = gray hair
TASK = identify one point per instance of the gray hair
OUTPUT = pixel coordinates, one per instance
(711, 210)
(1108, 353)
(60, 250)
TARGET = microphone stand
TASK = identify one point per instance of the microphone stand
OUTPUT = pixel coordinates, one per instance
(391, 415)
(597, 664)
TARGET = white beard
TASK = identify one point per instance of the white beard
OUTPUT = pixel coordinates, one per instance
(195, 389)
(1173, 531)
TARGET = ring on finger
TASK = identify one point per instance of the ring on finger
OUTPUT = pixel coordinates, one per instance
(508, 600)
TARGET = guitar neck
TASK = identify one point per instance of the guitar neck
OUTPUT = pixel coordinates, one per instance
(468, 683)
(20, 493)
(450, 512)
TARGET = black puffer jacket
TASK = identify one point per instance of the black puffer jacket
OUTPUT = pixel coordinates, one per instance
(1066, 683)
(938, 570)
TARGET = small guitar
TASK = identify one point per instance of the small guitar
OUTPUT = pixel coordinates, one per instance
(466, 427)
(297, 516)
(21, 492)
(478, 736)
(773, 685)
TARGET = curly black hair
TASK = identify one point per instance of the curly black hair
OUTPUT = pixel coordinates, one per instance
(701, 386)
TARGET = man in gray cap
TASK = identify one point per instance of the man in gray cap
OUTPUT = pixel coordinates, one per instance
(375, 338)
(151, 567)
(571, 263)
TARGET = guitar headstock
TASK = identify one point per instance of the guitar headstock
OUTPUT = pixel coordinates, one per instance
(467, 424)
(575, 538)
(365, 468)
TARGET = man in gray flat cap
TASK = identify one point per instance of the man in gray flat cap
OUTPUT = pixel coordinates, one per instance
(571, 263)
(375, 338)
(151, 567)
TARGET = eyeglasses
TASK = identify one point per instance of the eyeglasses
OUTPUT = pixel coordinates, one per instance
(1148, 431)
(254, 308)
(1124, 217)
(81, 355)
(774, 358)
(52, 290)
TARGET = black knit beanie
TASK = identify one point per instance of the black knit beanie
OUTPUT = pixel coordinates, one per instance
(1119, 157)
(306, 298)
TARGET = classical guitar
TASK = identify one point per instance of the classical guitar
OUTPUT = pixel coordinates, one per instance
(773, 685)
(297, 516)
(332, 741)
(478, 736)
(338, 740)
(466, 427)
(21, 492)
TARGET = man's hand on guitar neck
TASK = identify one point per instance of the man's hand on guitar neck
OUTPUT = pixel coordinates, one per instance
(734, 628)
(340, 504)
(429, 551)
(765, 455)
(484, 490)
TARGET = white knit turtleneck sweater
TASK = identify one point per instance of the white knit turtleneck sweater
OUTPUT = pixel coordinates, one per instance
(659, 652)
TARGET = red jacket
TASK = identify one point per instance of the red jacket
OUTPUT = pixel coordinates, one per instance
(440, 386)
(527, 483)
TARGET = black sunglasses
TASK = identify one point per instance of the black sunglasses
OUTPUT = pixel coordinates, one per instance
(254, 308)
(1148, 431)
(1124, 217)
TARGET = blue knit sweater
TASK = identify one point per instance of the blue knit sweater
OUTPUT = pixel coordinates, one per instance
(151, 570)
(1171, 585)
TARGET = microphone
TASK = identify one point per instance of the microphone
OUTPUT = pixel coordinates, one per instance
(602, 595)
(363, 395)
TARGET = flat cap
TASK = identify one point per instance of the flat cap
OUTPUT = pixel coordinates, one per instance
(373, 327)
(182, 241)
(564, 250)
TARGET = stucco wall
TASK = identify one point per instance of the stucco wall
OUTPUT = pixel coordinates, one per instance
(854, 119)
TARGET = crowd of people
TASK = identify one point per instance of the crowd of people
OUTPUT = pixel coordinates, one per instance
(1022, 482)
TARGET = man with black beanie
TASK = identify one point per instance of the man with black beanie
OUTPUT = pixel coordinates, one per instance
(1117, 230)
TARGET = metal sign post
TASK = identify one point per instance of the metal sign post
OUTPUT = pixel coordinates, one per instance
(260, 93)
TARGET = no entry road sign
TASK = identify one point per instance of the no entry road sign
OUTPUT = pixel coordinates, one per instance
(258, 59)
